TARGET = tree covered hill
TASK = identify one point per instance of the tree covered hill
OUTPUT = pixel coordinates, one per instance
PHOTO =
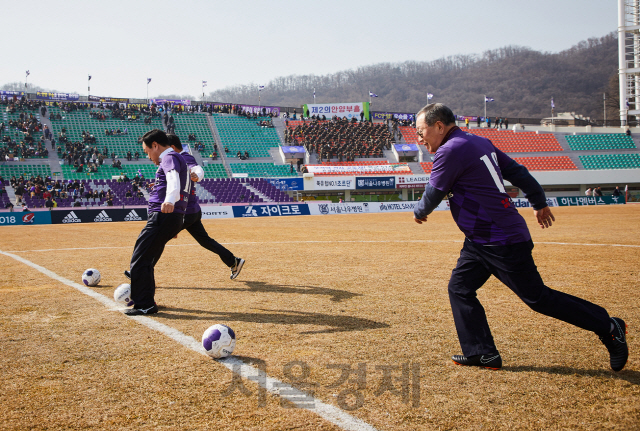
(522, 82)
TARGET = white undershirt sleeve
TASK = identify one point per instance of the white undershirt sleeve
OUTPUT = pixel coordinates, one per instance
(198, 171)
(173, 187)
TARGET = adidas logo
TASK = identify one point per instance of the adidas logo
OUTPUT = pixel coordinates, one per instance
(103, 216)
(133, 216)
(71, 218)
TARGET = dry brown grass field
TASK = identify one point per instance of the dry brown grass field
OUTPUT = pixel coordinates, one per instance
(318, 295)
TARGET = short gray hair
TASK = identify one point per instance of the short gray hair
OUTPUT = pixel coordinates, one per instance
(434, 112)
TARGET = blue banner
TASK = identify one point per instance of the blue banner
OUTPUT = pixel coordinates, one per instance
(375, 183)
(11, 93)
(405, 147)
(293, 149)
(25, 218)
(270, 210)
(64, 97)
(389, 115)
(287, 183)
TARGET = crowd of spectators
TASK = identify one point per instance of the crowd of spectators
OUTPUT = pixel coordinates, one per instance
(51, 191)
(340, 138)
(18, 135)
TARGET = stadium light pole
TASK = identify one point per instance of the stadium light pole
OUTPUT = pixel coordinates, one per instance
(89, 87)
(25, 80)
(485, 107)
(604, 104)
(148, 81)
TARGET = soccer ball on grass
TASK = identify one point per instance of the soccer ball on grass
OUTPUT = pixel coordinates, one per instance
(91, 277)
(122, 295)
(219, 341)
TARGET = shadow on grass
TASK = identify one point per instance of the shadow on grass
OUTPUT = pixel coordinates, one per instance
(280, 317)
(630, 376)
(335, 295)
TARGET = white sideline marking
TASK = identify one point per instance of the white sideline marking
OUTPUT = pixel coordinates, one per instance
(302, 400)
(326, 242)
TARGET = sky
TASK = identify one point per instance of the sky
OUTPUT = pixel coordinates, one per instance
(180, 44)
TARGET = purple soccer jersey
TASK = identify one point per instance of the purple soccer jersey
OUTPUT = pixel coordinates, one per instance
(468, 167)
(170, 161)
(192, 206)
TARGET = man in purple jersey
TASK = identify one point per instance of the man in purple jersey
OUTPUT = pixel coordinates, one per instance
(167, 205)
(470, 170)
(193, 216)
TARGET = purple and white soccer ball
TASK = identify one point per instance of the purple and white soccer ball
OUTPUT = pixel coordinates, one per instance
(219, 341)
(122, 295)
(91, 277)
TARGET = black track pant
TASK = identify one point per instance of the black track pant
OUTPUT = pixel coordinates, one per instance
(149, 246)
(193, 225)
(514, 266)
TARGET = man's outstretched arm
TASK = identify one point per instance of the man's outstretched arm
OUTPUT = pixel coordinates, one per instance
(429, 202)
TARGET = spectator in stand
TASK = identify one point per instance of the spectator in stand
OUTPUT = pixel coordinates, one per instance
(588, 192)
(597, 191)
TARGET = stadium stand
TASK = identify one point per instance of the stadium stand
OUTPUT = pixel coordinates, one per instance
(196, 124)
(340, 139)
(214, 170)
(506, 140)
(244, 134)
(426, 167)
(107, 172)
(75, 122)
(610, 141)
(611, 161)
(21, 134)
(24, 170)
(559, 163)
(235, 190)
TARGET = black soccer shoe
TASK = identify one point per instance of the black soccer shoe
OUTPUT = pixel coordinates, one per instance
(142, 311)
(236, 268)
(616, 344)
(492, 361)
(127, 274)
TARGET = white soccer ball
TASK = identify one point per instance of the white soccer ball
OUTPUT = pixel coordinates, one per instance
(122, 295)
(219, 341)
(91, 277)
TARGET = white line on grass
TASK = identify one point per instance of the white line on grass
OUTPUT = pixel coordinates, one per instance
(301, 399)
(327, 242)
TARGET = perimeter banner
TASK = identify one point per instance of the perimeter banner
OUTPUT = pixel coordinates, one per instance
(270, 210)
(160, 102)
(590, 200)
(524, 203)
(255, 109)
(399, 168)
(367, 207)
(287, 183)
(63, 97)
(108, 99)
(11, 93)
(97, 215)
(349, 110)
(403, 116)
(363, 183)
(216, 211)
(25, 218)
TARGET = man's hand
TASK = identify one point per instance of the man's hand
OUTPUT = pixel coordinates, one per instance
(194, 177)
(544, 216)
(420, 220)
(166, 208)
